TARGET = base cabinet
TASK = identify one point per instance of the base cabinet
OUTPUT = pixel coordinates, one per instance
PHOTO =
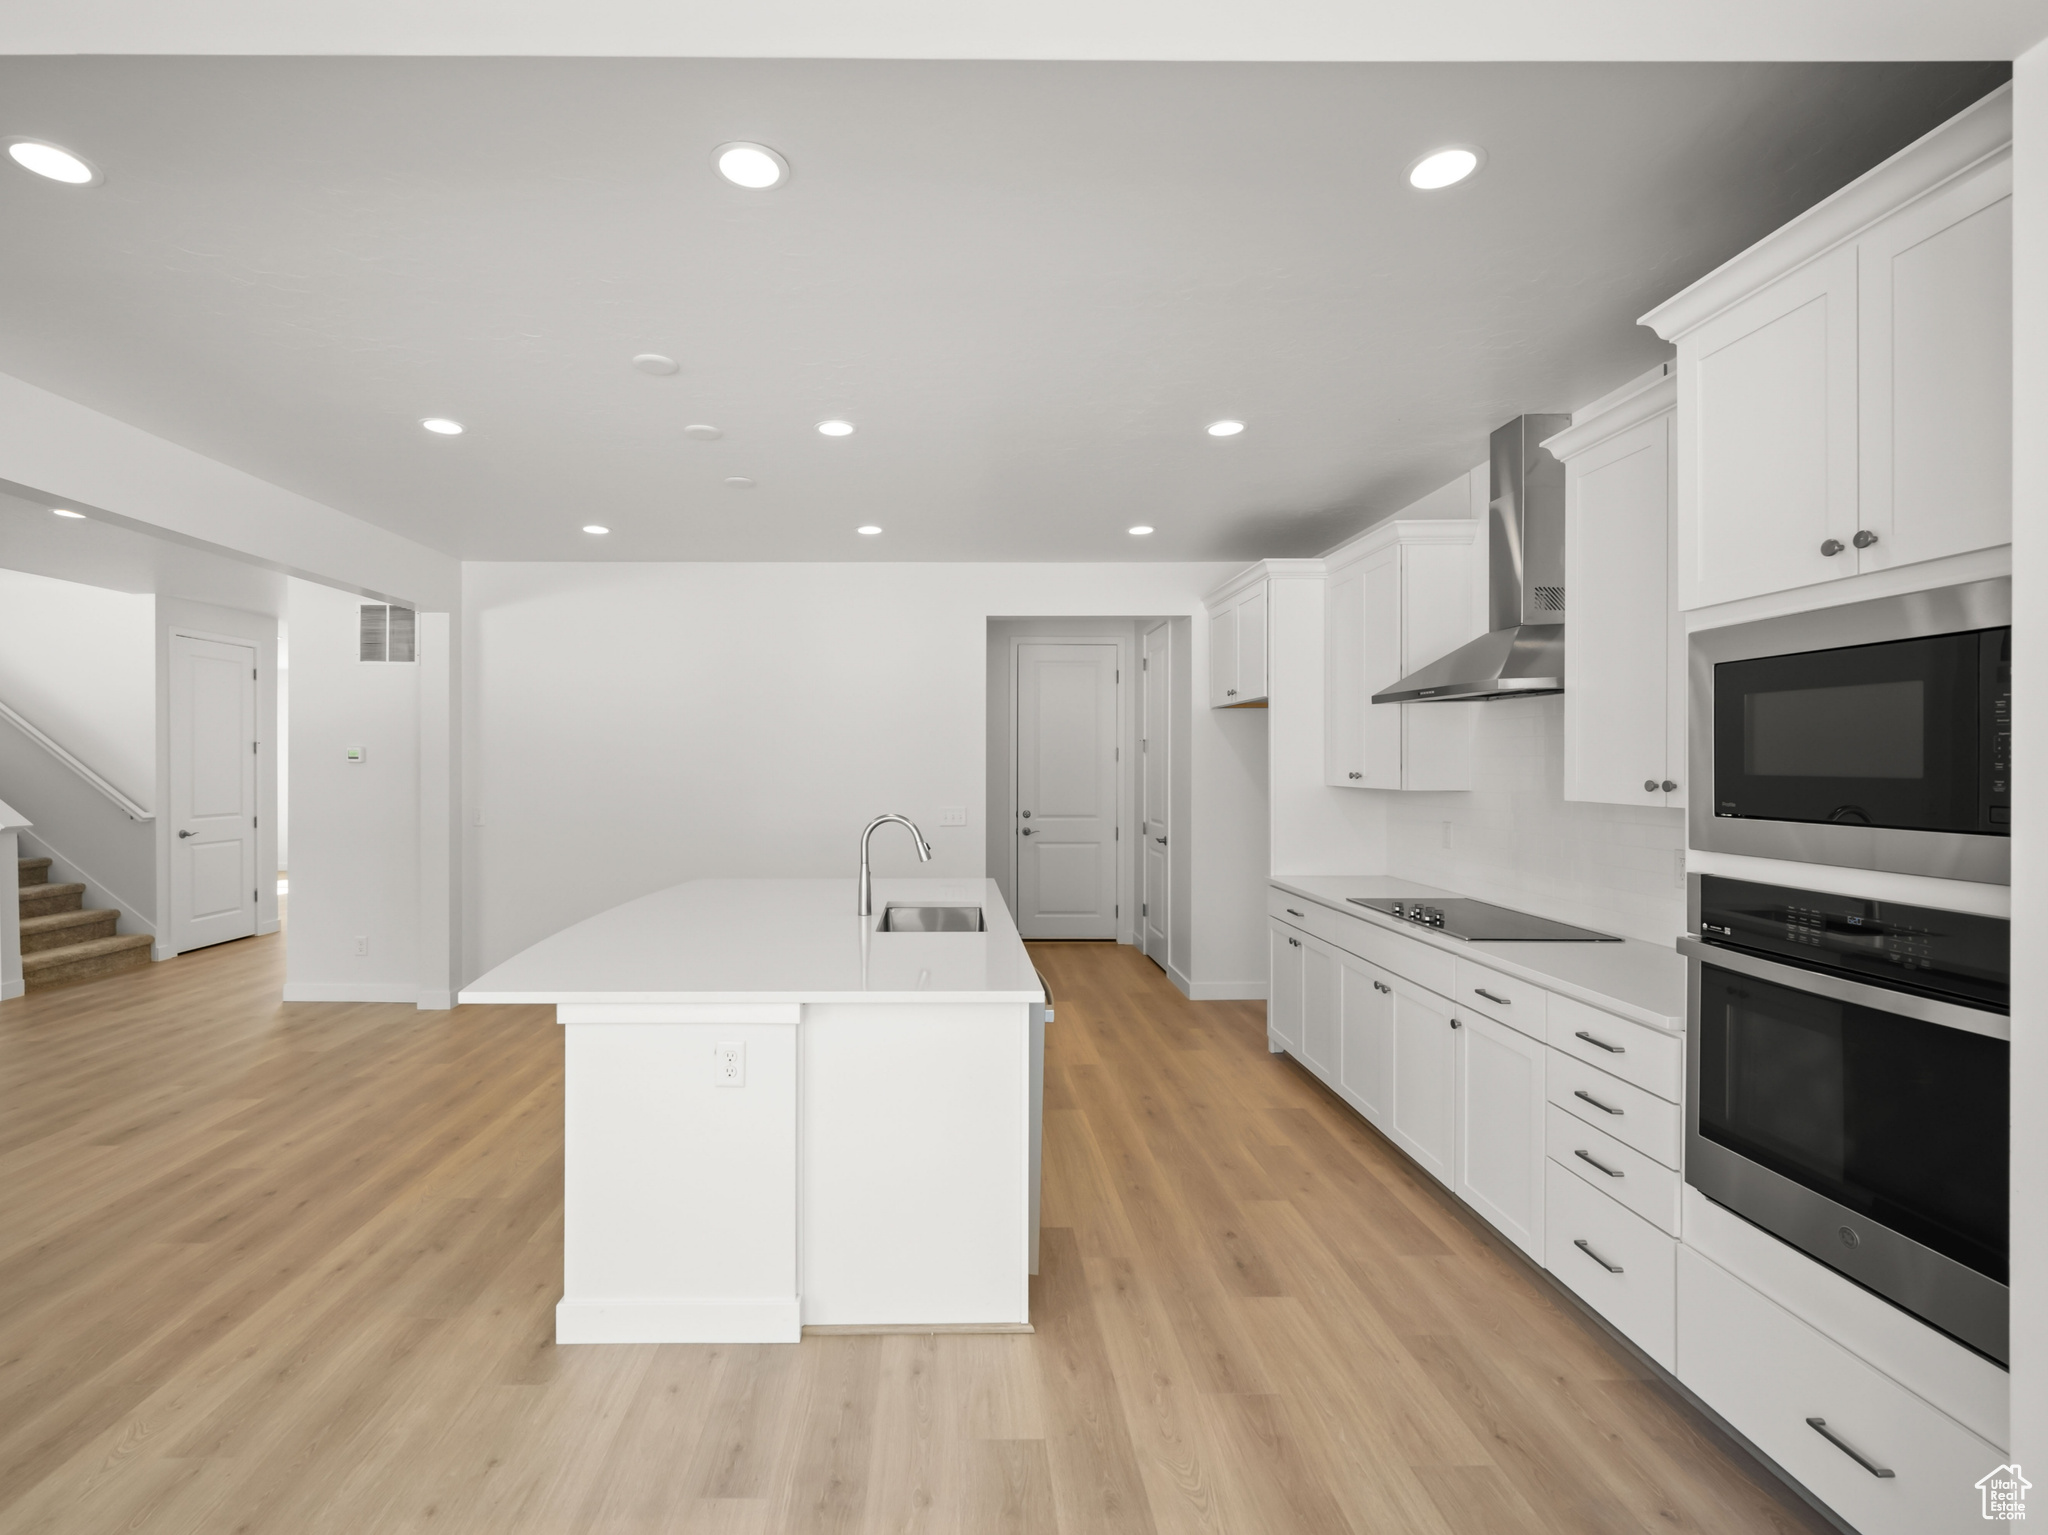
(1285, 949)
(1320, 979)
(1613, 1259)
(1365, 1026)
(1881, 1457)
(1501, 1129)
(1424, 1121)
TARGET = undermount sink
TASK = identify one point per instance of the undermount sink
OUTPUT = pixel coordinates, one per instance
(932, 919)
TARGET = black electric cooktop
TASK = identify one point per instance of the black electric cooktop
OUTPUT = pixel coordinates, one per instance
(1481, 922)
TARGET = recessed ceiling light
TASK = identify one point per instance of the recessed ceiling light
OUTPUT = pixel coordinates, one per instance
(54, 162)
(655, 363)
(835, 428)
(65, 511)
(591, 527)
(1443, 167)
(868, 528)
(702, 433)
(753, 166)
(739, 482)
(441, 426)
(1140, 530)
(1225, 428)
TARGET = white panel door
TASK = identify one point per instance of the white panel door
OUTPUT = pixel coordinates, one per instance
(1424, 1122)
(1365, 1048)
(1344, 680)
(1066, 791)
(1501, 1128)
(1618, 664)
(1383, 664)
(1320, 982)
(1936, 295)
(212, 792)
(1767, 438)
(1156, 751)
(1283, 996)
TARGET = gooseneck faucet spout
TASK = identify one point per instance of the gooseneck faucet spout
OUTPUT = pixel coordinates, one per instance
(924, 855)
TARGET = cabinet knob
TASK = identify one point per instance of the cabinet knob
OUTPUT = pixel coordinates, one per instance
(1668, 785)
(1354, 775)
(1456, 1024)
(1230, 692)
(1864, 538)
(1649, 786)
(1832, 547)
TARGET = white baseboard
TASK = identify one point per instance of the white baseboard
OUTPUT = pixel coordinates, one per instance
(9, 990)
(160, 950)
(1226, 991)
(270, 925)
(678, 1321)
(351, 991)
(436, 1001)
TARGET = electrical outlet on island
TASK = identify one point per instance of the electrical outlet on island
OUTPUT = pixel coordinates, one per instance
(729, 1064)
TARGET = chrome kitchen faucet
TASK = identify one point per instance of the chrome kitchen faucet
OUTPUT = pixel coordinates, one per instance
(867, 889)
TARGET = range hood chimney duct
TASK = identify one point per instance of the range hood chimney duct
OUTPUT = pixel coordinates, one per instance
(1522, 653)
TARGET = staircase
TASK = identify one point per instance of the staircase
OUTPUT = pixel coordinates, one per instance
(61, 941)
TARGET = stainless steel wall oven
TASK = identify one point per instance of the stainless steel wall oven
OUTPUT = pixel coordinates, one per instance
(1847, 1090)
(1873, 735)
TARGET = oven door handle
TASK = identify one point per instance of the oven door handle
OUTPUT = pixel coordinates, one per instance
(1820, 983)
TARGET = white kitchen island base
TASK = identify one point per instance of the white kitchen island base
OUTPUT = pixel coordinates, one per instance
(871, 1169)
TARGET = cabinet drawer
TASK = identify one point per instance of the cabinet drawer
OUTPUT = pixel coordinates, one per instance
(1292, 908)
(1650, 1058)
(1502, 998)
(1778, 1381)
(1622, 1109)
(1614, 1260)
(1410, 958)
(1614, 1167)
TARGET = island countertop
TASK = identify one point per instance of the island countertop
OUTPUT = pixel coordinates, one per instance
(780, 940)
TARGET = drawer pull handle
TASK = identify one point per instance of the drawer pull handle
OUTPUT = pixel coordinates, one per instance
(1580, 1092)
(1820, 1427)
(1291, 911)
(1601, 1044)
(1613, 1268)
(1481, 991)
(1612, 1172)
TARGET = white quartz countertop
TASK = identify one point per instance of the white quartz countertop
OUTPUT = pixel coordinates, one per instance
(772, 940)
(1638, 980)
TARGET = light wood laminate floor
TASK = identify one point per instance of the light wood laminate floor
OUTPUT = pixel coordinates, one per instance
(292, 1268)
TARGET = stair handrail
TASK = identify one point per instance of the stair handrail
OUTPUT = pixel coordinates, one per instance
(128, 807)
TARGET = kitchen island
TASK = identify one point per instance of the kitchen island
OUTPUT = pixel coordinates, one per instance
(778, 1116)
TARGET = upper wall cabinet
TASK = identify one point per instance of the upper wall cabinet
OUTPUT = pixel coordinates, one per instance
(1845, 385)
(1397, 598)
(1237, 640)
(1624, 693)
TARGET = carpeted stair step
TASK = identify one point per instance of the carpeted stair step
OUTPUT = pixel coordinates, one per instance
(42, 900)
(66, 927)
(88, 961)
(34, 871)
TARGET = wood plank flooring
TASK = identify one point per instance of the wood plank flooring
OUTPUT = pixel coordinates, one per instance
(291, 1268)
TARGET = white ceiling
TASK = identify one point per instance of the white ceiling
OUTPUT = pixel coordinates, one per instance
(96, 553)
(1043, 29)
(1029, 284)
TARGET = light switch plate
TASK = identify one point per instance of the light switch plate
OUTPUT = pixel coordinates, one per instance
(953, 815)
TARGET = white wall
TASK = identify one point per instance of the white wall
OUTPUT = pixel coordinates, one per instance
(2030, 754)
(284, 750)
(356, 825)
(630, 726)
(79, 663)
(177, 615)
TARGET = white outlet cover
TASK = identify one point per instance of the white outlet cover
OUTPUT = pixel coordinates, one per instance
(729, 1064)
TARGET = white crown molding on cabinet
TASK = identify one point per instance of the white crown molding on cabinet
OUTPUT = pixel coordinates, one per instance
(1974, 135)
(1610, 417)
(1399, 530)
(1264, 570)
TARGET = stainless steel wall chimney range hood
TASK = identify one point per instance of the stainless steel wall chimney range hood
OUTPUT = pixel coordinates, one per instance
(1522, 654)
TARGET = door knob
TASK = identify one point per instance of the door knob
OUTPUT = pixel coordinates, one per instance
(1027, 831)
(1864, 538)
(1025, 813)
(1832, 547)
(188, 834)
(1668, 785)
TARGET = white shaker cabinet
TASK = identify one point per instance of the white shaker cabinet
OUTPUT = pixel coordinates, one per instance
(1845, 385)
(1365, 1026)
(1501, 1128)
(1283, 1004)
(1237, 641)
(1625, 693)
(1320, 980)
(1424, 1117)
(1397, 597)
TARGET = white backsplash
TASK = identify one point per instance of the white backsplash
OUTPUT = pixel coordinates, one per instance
(1515, 839)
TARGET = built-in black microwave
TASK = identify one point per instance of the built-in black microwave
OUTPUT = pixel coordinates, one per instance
(1872, 735)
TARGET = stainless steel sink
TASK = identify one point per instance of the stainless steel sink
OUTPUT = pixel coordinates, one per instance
(932, 919)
